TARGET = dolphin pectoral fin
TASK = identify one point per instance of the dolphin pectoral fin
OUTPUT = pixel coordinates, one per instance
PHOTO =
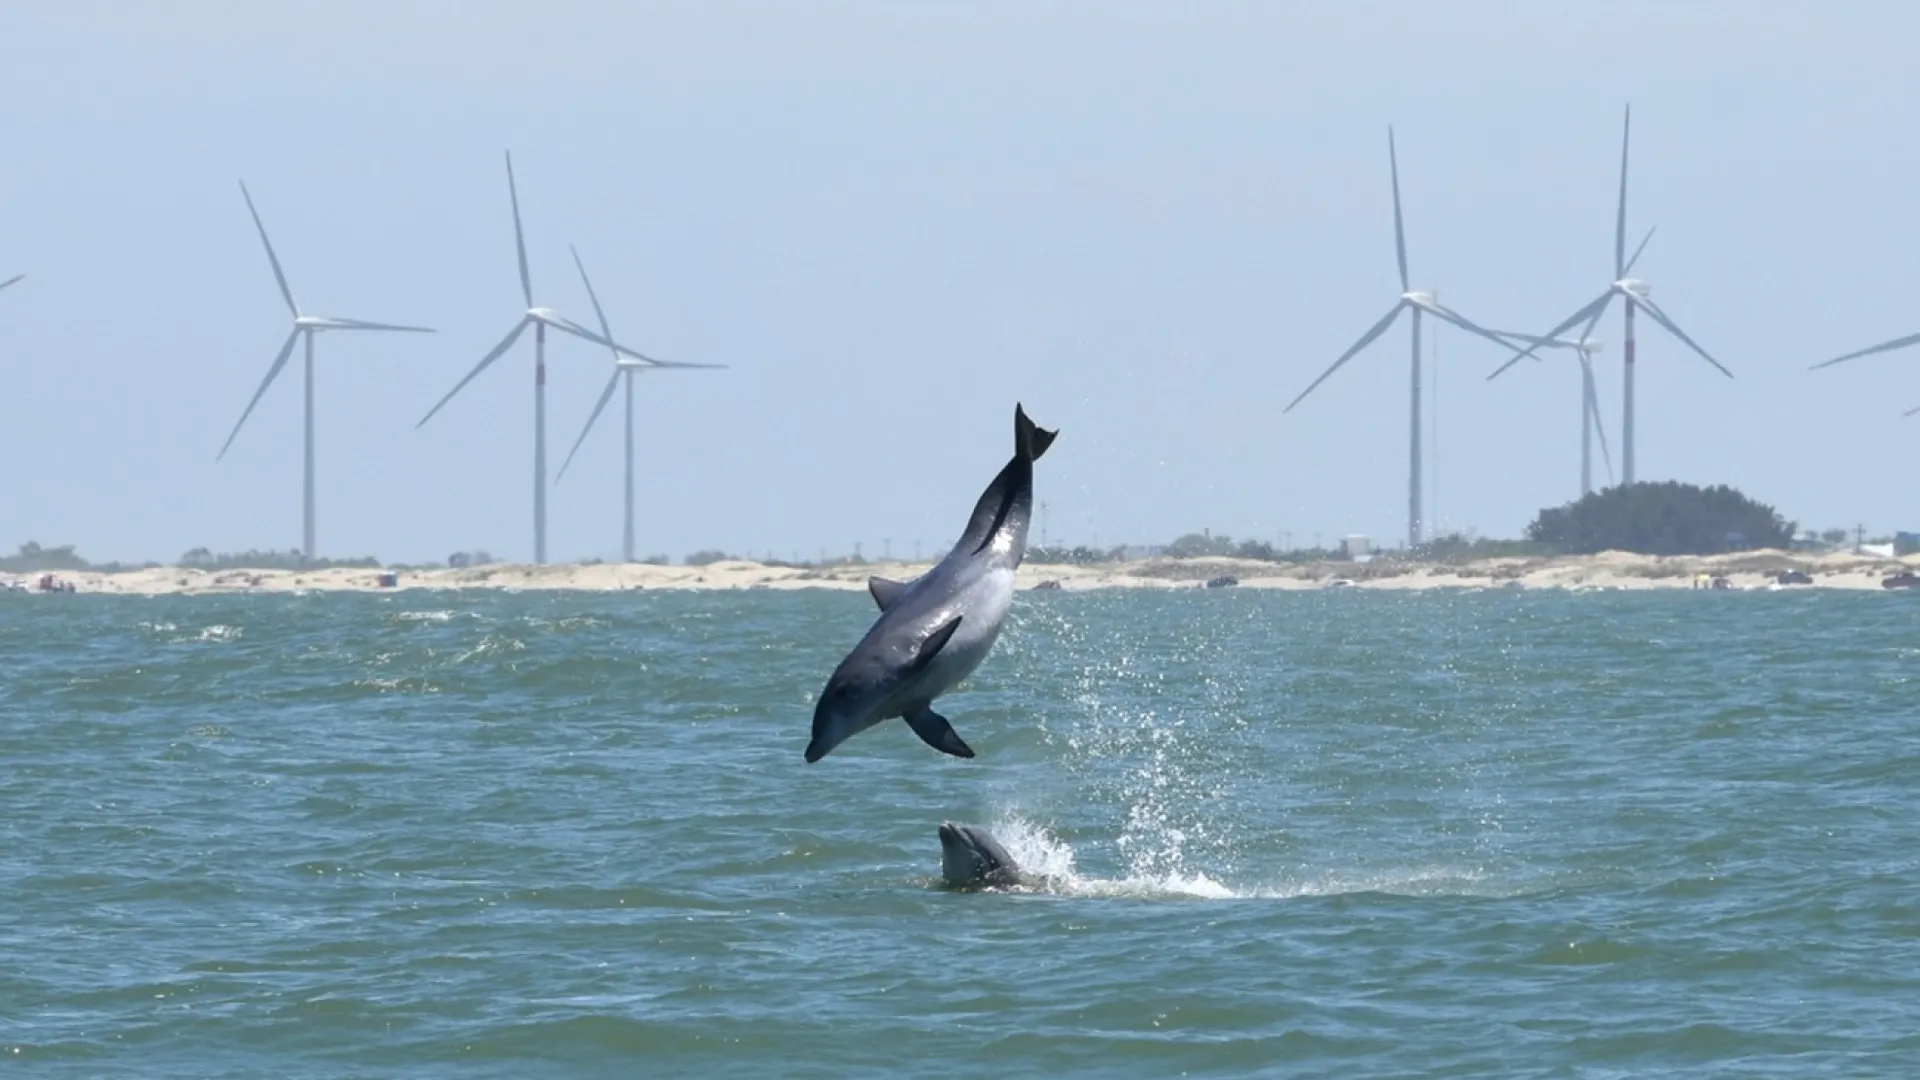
(934, 730)
(885, 591)
(936, 641)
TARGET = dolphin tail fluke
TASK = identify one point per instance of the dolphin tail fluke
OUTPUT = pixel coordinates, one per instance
(934, 730)
(1030, 440)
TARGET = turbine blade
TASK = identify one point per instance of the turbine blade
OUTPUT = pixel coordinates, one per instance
(1912, 411)
(519, 237)
(669, 364)
(566, 325)
(1586, 332)
(600, 406)
(606, 331)
(11, 280)
(1620, 223)
(1591, 310)
(1885, 346)
(273, 372)
(1545, 343)
(1447, 314)
(1636, 252)
(1366, 339)
(1593, 408)
(1399, 229)
(271, 257)
(505, 344)
(362, 324)
(1660, 317)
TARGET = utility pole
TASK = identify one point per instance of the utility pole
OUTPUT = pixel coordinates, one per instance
(886, 548)
(916, 551)
(1859, 538)
(1043, 524)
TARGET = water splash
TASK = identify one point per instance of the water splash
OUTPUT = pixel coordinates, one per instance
(1052, 862)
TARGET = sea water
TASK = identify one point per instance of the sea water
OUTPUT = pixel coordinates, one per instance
(1350, 833)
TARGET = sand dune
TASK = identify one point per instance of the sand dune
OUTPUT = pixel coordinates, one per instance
(1607, 570)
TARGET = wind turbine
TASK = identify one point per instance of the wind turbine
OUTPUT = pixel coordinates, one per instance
(1418, 302)
(1885, 346)
(1637, 294)
(1590, 421)
(540, 318)
(621, 367)
(304, 326)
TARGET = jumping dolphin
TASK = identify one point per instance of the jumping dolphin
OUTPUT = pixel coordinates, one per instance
(934, 630)
(970, 858)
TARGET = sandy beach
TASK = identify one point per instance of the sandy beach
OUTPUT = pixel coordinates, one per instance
(1605, 571)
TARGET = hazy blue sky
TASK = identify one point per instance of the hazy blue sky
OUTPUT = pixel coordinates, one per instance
(1152, 223)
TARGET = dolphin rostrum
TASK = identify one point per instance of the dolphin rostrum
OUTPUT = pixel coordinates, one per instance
(934, 630)
(970, 858)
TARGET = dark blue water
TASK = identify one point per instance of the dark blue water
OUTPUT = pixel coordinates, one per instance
(1334, 834)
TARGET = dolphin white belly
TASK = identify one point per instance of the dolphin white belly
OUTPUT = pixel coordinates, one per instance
(985, 603)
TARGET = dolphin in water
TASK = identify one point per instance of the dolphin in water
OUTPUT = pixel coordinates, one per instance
(934, 630)
(970, 858)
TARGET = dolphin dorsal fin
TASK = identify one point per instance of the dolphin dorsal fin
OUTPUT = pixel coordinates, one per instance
(885, 591)
(936, 641)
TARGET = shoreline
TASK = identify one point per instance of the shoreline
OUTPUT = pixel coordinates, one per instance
(1606, 571)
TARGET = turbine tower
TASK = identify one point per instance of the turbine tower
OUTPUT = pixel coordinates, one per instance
(1637, 294)
(1418, 302)
(304, 326)
(1885, 346)
(540, 318)
(622, 367)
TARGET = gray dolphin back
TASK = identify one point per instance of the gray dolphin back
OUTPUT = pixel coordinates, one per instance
(1008, 500)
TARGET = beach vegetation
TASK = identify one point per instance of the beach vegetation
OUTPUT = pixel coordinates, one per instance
(1664, 518)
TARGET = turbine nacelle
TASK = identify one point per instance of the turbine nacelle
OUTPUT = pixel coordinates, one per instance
(1419, 298)
(1634, 288)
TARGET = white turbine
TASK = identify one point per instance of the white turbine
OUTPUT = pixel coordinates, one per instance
(303, 326)
(1885, 346)
(622, 367)
(1418, 302)
(1637, 295)
(1590, 421)
(540, 318)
